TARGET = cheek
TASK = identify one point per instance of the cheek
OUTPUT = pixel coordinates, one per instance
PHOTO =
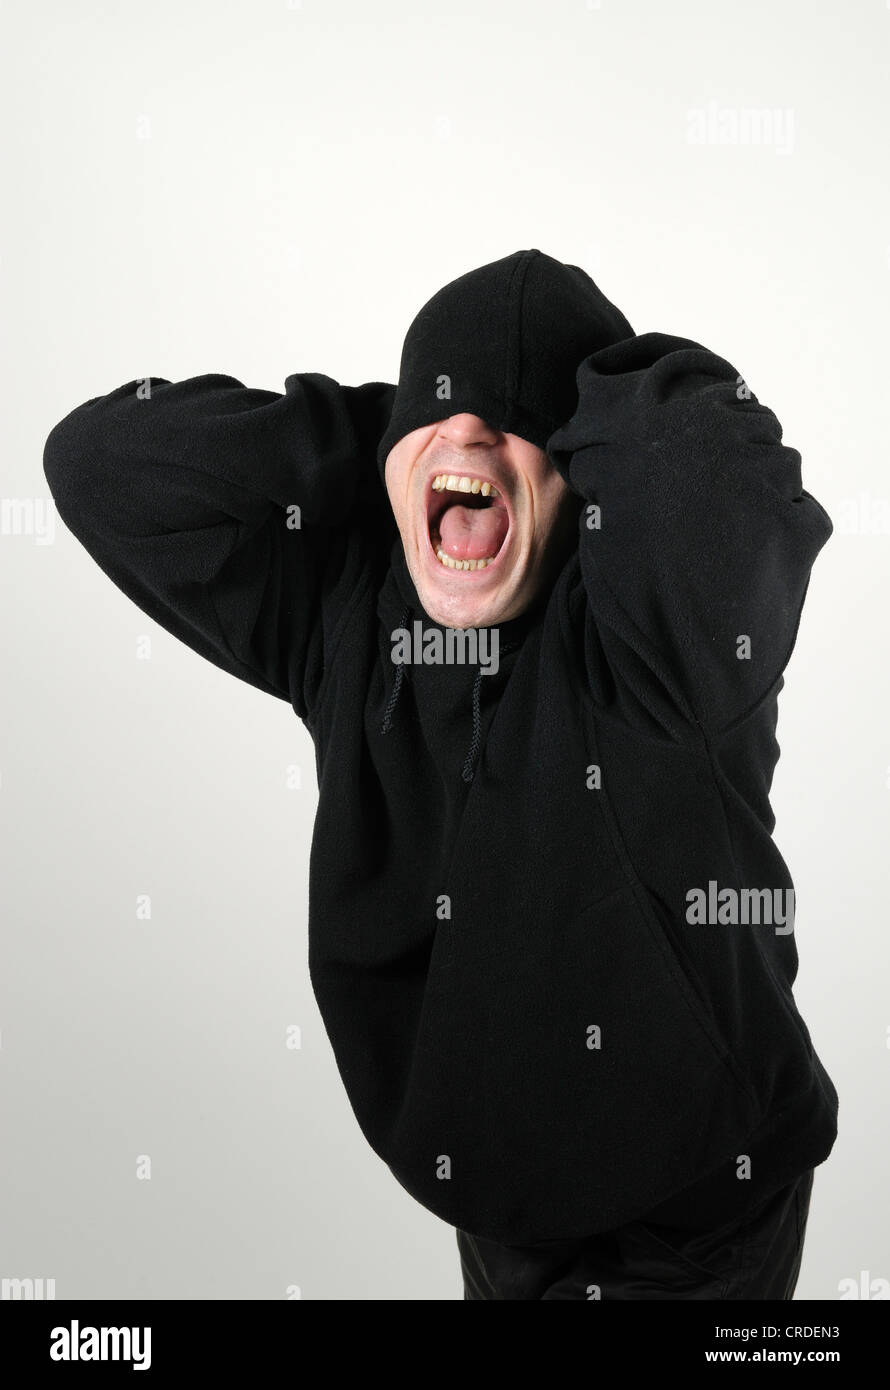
(396, 485)
(552, 504)
(555, 522)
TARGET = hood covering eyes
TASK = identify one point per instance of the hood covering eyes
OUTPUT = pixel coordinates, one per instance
(503, 342)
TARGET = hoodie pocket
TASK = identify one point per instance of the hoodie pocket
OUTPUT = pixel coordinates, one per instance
(659, 957)
(686, 979)
(591, 1078)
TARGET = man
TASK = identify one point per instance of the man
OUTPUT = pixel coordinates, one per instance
(550, 934)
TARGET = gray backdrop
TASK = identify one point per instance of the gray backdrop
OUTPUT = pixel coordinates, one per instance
(259, 189)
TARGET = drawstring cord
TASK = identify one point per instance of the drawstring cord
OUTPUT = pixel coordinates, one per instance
(470, 760)
(397, 683)
(469, 768)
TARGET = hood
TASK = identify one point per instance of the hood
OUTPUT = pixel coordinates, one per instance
(502, 342)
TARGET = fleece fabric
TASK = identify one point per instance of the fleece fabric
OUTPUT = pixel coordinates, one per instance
(502, 342)
(533, 1033)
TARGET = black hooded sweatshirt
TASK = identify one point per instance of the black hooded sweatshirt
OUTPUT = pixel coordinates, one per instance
(536, 1031)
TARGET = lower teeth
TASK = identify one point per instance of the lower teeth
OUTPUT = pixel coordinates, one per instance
(459, 564)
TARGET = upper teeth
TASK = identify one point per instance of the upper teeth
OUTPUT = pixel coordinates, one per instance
(451, 482)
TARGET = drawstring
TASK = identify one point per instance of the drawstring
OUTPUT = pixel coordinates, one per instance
(397, 683)
(472, 751)
(469, 767)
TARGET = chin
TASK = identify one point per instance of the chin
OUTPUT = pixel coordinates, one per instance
(452, 602)
(462, 614)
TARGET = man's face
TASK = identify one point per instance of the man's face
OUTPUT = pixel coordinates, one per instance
(484, 518)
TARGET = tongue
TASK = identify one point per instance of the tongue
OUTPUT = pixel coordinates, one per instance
(470, 533)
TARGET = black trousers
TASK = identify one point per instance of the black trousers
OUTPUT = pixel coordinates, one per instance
(756, 1256)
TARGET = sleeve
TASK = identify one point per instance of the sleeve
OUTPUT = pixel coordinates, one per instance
(228, 513)
(697, 540)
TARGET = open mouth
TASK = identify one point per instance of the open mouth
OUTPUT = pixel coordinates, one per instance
(468, 521)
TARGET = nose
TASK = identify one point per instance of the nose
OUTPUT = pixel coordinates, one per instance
(463, 431)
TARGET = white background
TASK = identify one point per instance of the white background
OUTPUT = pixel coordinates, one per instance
(265, 188)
